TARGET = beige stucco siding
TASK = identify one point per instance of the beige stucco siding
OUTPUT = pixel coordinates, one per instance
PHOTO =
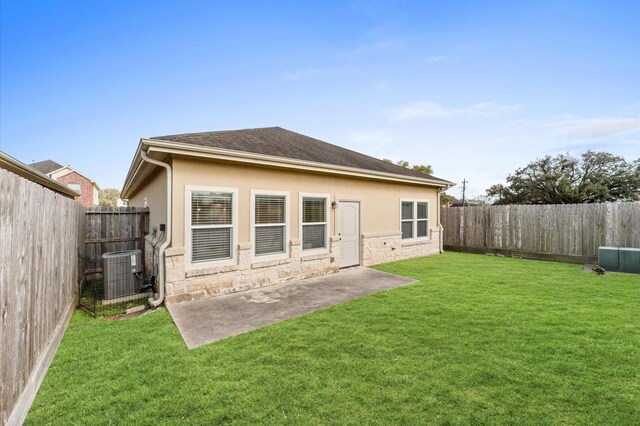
(380, 201)
(154, 189)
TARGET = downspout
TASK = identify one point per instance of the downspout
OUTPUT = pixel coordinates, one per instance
(167, 241)
(438, 215)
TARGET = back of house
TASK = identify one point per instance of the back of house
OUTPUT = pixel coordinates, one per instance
(255, 207)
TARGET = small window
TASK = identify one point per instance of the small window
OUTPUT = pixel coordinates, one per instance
(314, 223)
(74, 186)
(407, 219)
(211, 225)
(422, 219)
(270, 224)
(414, 219)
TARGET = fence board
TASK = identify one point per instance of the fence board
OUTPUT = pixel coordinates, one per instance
(113, 229)
(40, 234)
(573, 230)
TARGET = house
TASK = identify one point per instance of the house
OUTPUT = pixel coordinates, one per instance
(18, 168)
(248, 208)
(466, 203)
(85, 186)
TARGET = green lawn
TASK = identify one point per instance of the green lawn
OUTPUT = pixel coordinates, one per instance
(477, 340)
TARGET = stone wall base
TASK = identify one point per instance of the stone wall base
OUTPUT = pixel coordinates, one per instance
(187, 284)
(384, 248)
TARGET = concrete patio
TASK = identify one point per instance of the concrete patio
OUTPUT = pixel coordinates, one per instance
(217, 318)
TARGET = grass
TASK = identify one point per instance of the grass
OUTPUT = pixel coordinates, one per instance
(477, 340)
(92, 296)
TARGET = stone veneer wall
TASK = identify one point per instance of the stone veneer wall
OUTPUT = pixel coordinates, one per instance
(383, 248)
(194, 284)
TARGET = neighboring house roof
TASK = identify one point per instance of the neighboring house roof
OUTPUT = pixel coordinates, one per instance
(46, 166)
(279, 142)
(17, 167)
(271, 147)
(49, 167)
(467, 203)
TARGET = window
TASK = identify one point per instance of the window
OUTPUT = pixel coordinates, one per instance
(270, 223)
(314, 222)
(407, 219)
(414, 219)
(211, 223)
(422, 219)
(74, 186)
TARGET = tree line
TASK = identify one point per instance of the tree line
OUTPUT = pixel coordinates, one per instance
(594, 177)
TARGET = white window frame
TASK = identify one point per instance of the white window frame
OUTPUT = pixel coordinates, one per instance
(188, 189)
(287, 225)
(327, 223)
(415, 219)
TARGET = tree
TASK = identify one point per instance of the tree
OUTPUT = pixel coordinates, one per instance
(446, 199)
(108, 197)
(595, 177)
(426, 169)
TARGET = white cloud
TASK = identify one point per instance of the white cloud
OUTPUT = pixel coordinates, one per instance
(429, 109)
(370, 47)
(305, 73)
(590, 128)
(440, 58)
(434, 59)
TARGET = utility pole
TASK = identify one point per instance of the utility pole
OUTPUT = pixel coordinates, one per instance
(464, 190)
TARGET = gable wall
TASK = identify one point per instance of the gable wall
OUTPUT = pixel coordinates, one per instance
(86, 187)
(154, 190)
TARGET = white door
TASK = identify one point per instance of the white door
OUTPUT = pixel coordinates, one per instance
(349, 233)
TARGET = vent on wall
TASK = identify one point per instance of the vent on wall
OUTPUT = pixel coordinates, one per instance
(122, 274)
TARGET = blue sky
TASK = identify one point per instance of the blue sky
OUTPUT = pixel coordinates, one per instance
(476, 89)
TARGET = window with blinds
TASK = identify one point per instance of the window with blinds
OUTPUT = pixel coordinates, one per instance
(211, 225)
(414, 219)
(314, 223)
(270, 224)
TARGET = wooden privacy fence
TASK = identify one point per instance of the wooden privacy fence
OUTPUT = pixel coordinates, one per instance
(564, 232)
(113, 229)
(41, 234)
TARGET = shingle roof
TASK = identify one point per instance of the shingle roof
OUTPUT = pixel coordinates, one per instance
(279, 142)
(46, 166)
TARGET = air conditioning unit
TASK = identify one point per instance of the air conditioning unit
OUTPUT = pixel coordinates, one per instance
(630, 260)
(122, 274)
(619, 259)
(609, 258)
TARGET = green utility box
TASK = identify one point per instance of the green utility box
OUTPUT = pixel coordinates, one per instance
(629, 259)
(609, 258)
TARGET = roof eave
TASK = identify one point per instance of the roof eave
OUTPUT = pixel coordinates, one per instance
(177, 148)
(19, 168)
(171, 147)
(132, 173)
(72, 170)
